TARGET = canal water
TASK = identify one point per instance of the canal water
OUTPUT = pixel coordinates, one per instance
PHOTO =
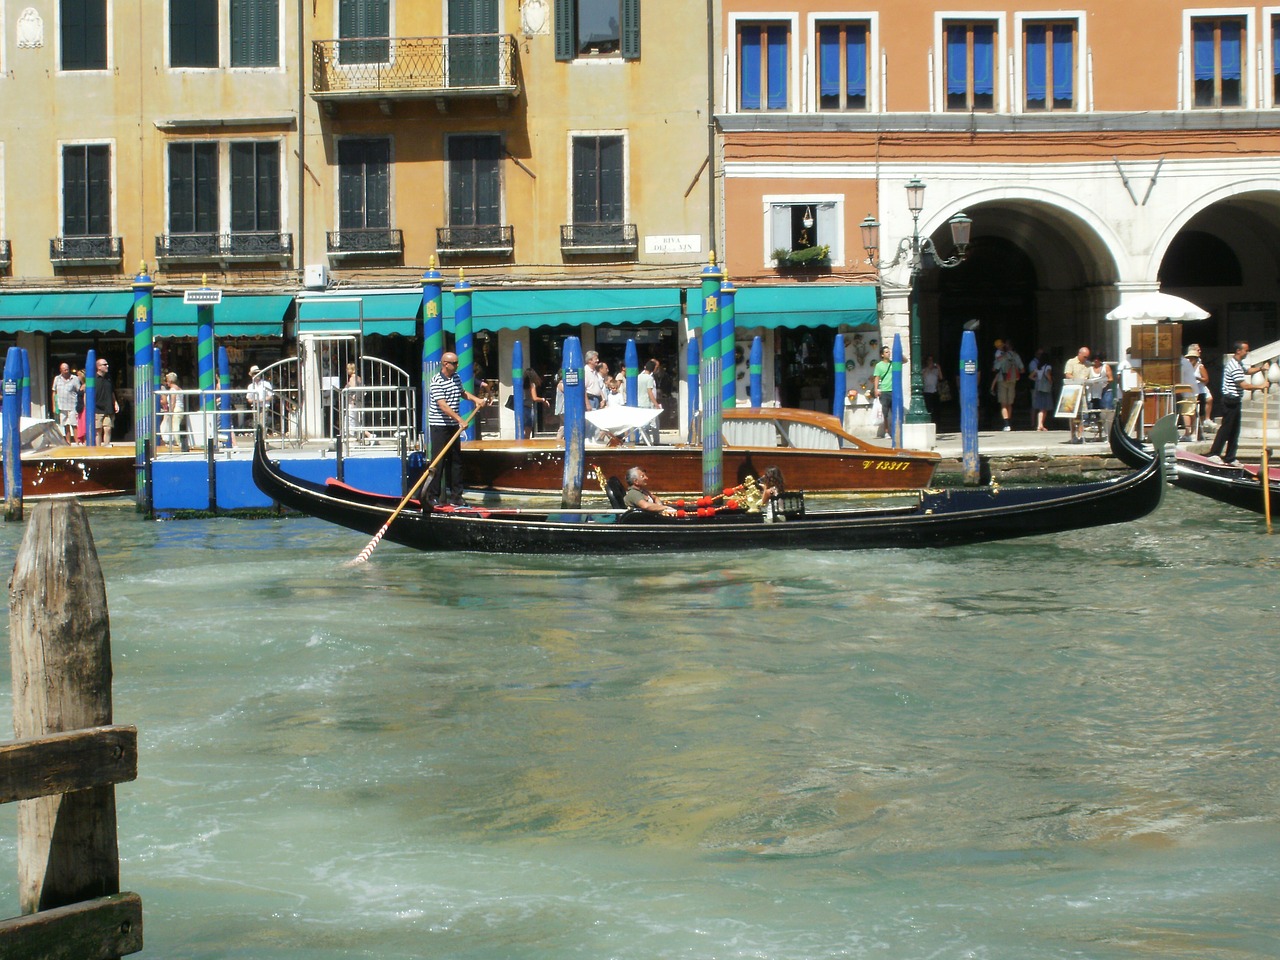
(1049, 748)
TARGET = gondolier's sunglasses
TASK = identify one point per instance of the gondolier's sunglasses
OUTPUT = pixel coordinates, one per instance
(449, 363)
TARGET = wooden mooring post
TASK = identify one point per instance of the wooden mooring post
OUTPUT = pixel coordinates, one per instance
(63, 767)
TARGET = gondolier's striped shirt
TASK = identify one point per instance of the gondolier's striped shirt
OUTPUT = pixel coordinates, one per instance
(450, 388)
(1232, 377)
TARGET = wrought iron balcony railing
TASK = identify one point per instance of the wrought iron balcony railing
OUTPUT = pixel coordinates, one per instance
(414, 66)
(496, 240)
(6, 254)
(85, 251)
(197, 247)
(365, 242)
(598, 238)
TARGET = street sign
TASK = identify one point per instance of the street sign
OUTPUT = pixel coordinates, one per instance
(202, 297)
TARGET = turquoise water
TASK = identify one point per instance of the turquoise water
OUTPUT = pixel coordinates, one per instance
(1054, 748)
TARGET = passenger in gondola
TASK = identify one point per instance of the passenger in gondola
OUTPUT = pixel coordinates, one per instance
(638, 496)
(772, 487)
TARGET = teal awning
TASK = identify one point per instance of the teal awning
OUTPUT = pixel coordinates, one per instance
(65, 312)
(513, 309)
(236, 316)
(383, 313)
(810, 305)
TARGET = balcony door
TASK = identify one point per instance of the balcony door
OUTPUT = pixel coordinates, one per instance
(473, 43)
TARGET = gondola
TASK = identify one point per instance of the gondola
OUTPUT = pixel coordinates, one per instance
(931, 518)
(1237, 486)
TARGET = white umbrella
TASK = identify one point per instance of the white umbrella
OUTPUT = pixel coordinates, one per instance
(1157, 306)
(620, 420)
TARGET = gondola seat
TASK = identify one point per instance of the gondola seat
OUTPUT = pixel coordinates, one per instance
(616, 493)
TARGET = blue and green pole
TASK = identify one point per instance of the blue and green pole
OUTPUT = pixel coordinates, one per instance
(517, 387)
(841, 380)
(465, 348)
(691, 384)
(972, 466)
(895, 359)
(12, 446)
(757, 371)
(432, 341)
(204, 368)
(711, 279)
(728, 340)
(25, 388)
(572, 374)
(144, 375)
(631, 361)
(90, 398)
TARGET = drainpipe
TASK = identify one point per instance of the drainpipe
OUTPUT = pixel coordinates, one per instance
(712, 60)
(302, 140)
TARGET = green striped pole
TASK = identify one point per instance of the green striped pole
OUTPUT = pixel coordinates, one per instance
(144, 399)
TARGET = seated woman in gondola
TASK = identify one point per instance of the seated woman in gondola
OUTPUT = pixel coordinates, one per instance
(772, 487)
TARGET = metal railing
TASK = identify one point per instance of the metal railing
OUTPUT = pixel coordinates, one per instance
(387, 64)
(599, 238)
(476, 239)
(6, 254)
(248, 245)
(365, 241)
(86, 250)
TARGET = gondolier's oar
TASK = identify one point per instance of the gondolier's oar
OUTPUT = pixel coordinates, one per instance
(1265, 473)
(364, 554)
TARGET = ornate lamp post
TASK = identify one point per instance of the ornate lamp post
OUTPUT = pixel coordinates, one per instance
(916, 248)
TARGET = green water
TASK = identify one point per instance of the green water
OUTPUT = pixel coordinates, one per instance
(1053, 748)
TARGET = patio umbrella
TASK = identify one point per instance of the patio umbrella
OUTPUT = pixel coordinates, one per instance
(1157, 306)
(620, 420)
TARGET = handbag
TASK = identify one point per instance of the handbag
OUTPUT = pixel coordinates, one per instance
(944, 391)
(511, 401)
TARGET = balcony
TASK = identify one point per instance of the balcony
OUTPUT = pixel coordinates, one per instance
(85, 251)
(224, 248)
(365, 242)
(493, 241)
(596, 238)
(386, 69)
(6, 255)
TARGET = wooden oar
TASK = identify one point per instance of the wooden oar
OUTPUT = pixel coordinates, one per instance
(364, 554)
(1265, 473)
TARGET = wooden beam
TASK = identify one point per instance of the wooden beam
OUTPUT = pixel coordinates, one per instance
(65, 762)
(93, 930)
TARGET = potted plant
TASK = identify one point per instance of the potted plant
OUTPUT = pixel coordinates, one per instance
(816, 256)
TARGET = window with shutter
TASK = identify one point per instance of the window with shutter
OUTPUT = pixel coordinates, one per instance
(193, 188)
(597, 28)
(599, 191)
(475, 192)
(193, 33)
(364, 184)
(255, 187)
(255, 33)
(86, 190)
(363, 26)
(83, 34)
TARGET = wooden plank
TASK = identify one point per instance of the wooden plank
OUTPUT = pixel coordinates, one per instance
(64, 762)
(60, 648)
(93, 930)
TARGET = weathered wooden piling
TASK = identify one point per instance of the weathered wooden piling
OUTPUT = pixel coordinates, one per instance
(68, 758)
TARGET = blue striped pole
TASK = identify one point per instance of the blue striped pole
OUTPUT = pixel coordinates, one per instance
(204, 367)
(432, 341)
(728, 341)
(691, 384)
(632, 361)
(517, 387)
(841, 380)
(969, 407)
(757, 371)
(465, 348)
(895, 359)
(25, 388)
(572, 374)
(712, 439)
(12, 447)
(711, 278)
(90, 398)
(144, 375)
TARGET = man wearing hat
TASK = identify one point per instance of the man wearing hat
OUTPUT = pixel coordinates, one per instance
(1197, 377)
(259, 396)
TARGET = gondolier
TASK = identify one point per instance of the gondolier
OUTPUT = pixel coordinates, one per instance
(444, 398)
(1234, 382)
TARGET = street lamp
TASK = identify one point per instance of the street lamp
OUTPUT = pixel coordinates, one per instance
(917, 248)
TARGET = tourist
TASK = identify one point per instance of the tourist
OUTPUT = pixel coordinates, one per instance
(259, 394)
(930, 376)
(1129, 373)
(1040, 372)
(1194, 375)
(1100, 384)
(882, 392)
(647, 396)
(772, 487)
(638, 496)
(105, 406)
(444, 398)
(1204, 395)
(533, 400)
(1077, 371)
(1235, 379)
(1007, 370)
(592, 381)
(66, 392)
(172, 403)
(355, 407)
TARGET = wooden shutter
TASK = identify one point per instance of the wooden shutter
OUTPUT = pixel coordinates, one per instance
(462, 182)
(74, 189)
(630, 29)
(98, 182)
(586, 180)
(612, 186)
(255, 33)
(181, 189)
(566, 32)
(488, 181)
(244, 183)
(205, 169)
(83, 34)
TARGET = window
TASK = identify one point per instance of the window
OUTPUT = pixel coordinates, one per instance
(1049, 58)
(597, 28)
(971, 63)
(1217, 61)
(475, 185)
(1275, 61)
(255, 33)
(598, 180)
(255, 187)
(364, 184)
(193, 33)
(363, 26)
(796, 225)
(86, 190)
(83, 33)
(763, 79)
(193, 188)
(843, 66)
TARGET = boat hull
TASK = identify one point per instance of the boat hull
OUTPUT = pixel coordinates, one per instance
(77, 472)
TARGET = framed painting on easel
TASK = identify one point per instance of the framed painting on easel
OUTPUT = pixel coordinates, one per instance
(1070, 401)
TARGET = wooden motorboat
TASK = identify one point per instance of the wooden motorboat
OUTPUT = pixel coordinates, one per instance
(932, 518)
(811, 449)
(1239, 486)
(51, 467)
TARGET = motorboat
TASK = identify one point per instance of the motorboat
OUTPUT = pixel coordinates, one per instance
(51, 467)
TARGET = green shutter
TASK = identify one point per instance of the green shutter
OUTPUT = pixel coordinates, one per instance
(586, 197)
(243, 184)
(268, 186)
(630, 29)
(73, 191)
(566, 45)
(255, 33)
(462, 182)
(181, 188)
(206, 187)
(611, 176)
(378, 184)
(83, 34)
(98, 181)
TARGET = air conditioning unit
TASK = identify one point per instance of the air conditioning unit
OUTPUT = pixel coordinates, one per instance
(315, 276)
